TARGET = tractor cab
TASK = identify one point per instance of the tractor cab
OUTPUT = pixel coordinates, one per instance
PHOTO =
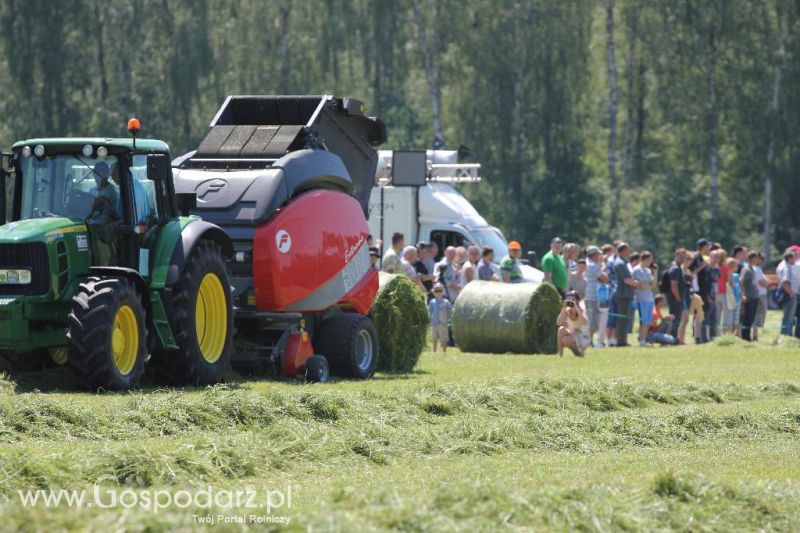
(114, 190)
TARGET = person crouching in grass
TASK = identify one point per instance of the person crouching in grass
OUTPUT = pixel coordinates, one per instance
(440, 310)
(572, 326)
(659, 330)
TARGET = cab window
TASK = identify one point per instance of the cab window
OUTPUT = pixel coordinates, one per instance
(144, 192)
(448, 238)
(62, 185)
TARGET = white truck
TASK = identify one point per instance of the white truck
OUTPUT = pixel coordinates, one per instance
(414, 195)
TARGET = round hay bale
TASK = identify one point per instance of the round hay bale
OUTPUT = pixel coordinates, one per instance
(492, 317)
(400, 314)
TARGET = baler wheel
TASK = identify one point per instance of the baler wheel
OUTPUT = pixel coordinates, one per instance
(317, 370)
(107, 335)
(202, 322)
(350, 343)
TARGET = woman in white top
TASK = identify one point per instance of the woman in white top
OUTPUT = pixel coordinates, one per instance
(572, 326)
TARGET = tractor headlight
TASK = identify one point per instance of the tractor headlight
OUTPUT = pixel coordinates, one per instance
(87, 150)
(39, 150)
(15, 277)
(26, 151)
(102, 152)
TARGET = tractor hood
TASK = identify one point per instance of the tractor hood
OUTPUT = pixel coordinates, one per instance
(36, 229)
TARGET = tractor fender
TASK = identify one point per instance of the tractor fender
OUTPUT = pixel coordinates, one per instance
(190, 236)
(134, 277)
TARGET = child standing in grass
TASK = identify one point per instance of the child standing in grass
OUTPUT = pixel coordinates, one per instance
(439, 309)
(749, 295)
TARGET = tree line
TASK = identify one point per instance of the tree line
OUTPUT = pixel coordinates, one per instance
(656, 122)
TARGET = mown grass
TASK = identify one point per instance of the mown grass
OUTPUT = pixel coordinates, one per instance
(700, 438)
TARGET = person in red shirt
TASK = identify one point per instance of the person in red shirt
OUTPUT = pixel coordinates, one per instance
(722, 290)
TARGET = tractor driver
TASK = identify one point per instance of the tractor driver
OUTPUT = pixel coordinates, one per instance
(104, 219)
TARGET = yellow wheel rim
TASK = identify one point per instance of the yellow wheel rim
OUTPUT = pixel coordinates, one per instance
(59, 355)
(125, 340)
(211, 318)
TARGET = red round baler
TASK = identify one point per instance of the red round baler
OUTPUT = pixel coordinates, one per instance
(288, 178)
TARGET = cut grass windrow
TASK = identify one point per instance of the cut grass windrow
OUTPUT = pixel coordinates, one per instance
(665, 500)
(169, 439)
(143, 415)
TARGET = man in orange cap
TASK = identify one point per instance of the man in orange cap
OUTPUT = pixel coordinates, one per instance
(509, 266)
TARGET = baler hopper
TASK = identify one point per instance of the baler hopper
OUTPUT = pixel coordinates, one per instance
(288, 178)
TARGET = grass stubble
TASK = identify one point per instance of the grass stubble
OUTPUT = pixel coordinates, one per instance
(506, 451)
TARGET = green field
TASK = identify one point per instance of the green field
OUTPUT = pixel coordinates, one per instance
(693, 438)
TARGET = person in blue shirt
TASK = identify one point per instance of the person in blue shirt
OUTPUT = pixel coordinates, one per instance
(737, 294)
(613, 284)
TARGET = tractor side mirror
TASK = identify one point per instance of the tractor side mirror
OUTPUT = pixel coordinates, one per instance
(158, 167)
(3, 174)
(187, 202)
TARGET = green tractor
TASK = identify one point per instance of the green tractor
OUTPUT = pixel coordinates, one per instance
(100, 271)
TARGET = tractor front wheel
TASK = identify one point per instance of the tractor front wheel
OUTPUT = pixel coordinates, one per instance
(202, 322)
(107, 335)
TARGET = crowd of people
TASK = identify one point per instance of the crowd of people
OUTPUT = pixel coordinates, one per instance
(604, 289)
(704, 289)
(458, 266)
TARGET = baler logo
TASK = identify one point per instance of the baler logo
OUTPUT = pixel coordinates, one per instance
(212, 187)
(283, 241)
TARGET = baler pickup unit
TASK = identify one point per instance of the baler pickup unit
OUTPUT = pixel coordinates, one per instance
(252, 132)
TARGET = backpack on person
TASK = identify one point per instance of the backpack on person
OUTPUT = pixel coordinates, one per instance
(780, 297)
(665, 287)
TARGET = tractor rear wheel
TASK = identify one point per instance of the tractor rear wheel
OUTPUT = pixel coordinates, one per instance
(202, 322)
(350, 343)
(107, 335)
